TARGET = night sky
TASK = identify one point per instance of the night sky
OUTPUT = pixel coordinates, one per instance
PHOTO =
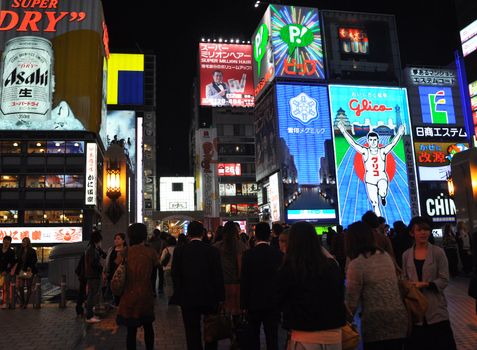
(428, 35)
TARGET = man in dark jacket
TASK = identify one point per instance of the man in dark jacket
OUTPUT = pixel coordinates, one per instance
(258, 289)
(7, 261)
(198, 284)
(92, 272)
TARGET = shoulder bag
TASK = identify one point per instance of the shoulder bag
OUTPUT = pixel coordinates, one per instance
(118, 282)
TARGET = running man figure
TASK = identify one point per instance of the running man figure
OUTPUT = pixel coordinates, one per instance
(374, 160)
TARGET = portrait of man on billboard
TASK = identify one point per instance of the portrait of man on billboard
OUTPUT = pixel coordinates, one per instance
(216, 92)
(374, 160)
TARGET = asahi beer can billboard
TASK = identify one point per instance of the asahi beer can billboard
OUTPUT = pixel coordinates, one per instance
(26, 90)
(52, 65)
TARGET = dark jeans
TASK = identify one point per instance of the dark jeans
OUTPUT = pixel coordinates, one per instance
(22, 283)
(269, 318)
(148, 337)
(437, 336)
(93, 294)
(453, 260)
(392, 344)
(81, 296)
(192, 317)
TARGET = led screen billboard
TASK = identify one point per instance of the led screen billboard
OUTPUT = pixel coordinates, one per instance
(296, 40)
(436, 105)
(304, 133)
(436, 203)
(287, 44)
(361, 46)
(274, 198)
(125, 79)
(370, 127)
(229, 169)
(47, 84)
(473, 103)
(468, 38)
(121, 130)
(176, 193)
(226, 75)
(433, 159)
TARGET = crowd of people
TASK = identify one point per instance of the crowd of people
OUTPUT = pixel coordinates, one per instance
(279, 276)
(19, 265)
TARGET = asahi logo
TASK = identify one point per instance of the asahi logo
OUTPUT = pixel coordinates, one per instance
(26, 78)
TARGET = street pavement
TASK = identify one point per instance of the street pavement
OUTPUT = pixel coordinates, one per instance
(51, 328)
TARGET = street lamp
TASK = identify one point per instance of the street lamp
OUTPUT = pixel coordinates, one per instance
(113, 190)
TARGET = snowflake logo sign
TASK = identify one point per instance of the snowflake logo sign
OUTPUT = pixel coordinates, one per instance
(303, 108)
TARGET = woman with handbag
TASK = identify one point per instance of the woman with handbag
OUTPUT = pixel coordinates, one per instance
(311, 293)
(113, 258)
(136, 307)
(26, 269)
(371, 283)
(426, 266)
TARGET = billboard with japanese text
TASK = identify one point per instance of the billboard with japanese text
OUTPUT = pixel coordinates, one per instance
(304, 138)
(43, 235)
(373, 152)
(226, 75)
(47, 84)
(287, 44)
(433, 159)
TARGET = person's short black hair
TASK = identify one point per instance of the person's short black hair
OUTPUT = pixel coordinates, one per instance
(137, 233)
(421, 221)
(381, 220)
(171, 241)
(217, 71)
(122, 235)
(360, 240)
(277, 228)
(371, 219)
(371, 134)
(7, 238)
(195, 229)
(262, 231)
(96, 237)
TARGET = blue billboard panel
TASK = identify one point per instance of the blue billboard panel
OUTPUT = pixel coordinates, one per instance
(437, 105)
(372, 149)
(306, 152)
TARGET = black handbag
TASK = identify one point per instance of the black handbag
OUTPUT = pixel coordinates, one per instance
(217, 327)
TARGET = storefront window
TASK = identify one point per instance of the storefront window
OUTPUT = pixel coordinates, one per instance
(35, 217)
(74, 181)
(73, 216)
(8, 216)
(53, 216)
(74, 147)
(35, 181)
(10, 147)
(8, 181)
(43, 254)
(55, 147)
(55, 181)
(36, 147)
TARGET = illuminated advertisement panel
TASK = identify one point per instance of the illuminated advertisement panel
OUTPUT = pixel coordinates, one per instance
(436, 105)
(436, 202)
(229, 169)
(297, 44)
(43, 235)
(263, 64)
(46, 82)
(304, 137)
(361, 46)
(468, 38)
(177, 193)
(91, 187)
(473, 102)
(226, 75)
(370, 126)
(353, 40)
(274, 198)
(433, 159)
(125, 79)
(121, 129)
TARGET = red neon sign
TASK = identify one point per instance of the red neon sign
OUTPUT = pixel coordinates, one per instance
(229, 169)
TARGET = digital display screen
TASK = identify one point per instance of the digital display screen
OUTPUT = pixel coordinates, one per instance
(121, 130)
(229, 169)
(436, 105)
(370, 124)
(353, 41)
(297, 42)
(305, 144)
(226, 75)
(433, 159)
